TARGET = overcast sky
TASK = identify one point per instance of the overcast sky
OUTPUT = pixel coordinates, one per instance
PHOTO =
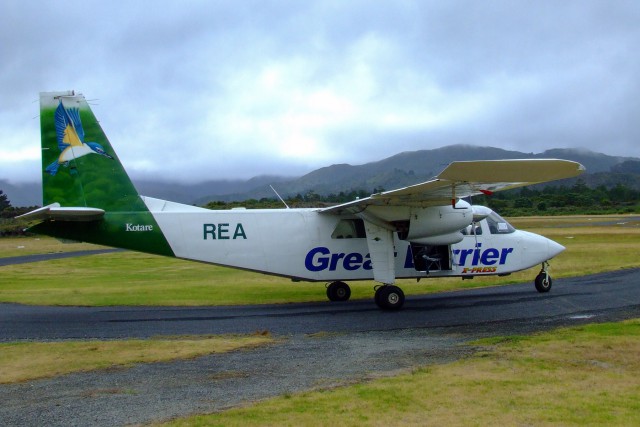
(196, 90)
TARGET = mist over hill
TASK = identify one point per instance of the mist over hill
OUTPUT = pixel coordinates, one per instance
(23, 194)
(400, 170)
(417, 166)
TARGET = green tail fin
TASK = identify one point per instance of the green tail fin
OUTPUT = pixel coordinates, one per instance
(81, 169)
(79, 165)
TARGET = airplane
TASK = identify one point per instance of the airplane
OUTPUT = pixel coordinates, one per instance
(421, 231)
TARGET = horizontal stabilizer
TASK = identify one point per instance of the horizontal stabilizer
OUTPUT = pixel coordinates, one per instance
(57, 213)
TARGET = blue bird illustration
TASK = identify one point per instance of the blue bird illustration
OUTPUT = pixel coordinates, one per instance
(71, 139)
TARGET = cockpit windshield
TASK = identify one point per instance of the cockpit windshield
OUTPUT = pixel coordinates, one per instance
(499, 225)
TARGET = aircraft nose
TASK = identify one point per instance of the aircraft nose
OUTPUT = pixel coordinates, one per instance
(537, 248)
(554, 248)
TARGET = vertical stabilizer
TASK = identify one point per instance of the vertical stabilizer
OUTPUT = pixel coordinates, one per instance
(79, 166)
(81, 172)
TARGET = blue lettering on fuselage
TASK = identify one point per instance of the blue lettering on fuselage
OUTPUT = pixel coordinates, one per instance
(477, 256)
(321, 258)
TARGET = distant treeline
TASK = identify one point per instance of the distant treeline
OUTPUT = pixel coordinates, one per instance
(10, 226)
(564, 200)
(308, 200)
(548, 200)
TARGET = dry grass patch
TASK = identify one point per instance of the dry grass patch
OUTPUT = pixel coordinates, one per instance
(629, 220)
(24, 361)
(579, 376)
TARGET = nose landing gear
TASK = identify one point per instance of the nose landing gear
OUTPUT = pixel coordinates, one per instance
(543, 279)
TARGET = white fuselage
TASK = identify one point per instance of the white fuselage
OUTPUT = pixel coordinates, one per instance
(298, 243)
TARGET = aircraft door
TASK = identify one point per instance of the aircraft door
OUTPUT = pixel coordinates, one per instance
(430, 258)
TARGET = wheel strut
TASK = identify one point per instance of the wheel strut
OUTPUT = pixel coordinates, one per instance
(543, 279)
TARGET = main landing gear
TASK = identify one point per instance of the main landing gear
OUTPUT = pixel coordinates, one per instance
(389, 297)
(543, 279)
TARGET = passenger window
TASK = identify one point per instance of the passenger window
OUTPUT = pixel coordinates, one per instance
(349, 229)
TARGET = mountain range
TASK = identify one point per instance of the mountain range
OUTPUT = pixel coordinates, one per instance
(400, 170)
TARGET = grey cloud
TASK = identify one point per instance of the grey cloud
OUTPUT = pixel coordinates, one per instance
(506, 73)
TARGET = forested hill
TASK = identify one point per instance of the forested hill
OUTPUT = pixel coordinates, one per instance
(397, 171)
(413, 167)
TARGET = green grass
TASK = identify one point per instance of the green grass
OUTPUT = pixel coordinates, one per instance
(588, 375)
(48, 359)
(129, 278)
(19, 246)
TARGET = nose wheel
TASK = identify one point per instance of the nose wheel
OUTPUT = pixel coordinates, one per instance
(543, 279)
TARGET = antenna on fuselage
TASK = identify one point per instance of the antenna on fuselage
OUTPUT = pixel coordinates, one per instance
(281, 199)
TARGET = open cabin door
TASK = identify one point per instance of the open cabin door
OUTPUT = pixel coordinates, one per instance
(428, 258)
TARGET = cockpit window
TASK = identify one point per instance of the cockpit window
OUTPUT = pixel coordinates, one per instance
(499, 225)
(349, 229)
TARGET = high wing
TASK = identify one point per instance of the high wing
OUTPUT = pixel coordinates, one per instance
(467, 178)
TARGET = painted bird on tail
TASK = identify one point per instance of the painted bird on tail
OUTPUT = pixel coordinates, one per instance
(70, 135)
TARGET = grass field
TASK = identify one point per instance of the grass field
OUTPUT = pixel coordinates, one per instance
(48, 359)
(19, 246)
(594, 244)
(587, 375)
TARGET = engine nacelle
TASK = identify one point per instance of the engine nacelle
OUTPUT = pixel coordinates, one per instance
(480, 212)
(439, 224)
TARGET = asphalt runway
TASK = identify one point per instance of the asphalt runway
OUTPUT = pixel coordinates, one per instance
(320, 345)
(569, 298)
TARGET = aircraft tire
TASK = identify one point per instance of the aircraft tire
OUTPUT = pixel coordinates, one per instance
(338, 291)
(389, 297)
(543, 283)
(376, 296)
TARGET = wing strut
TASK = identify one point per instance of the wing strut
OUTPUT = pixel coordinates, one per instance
(381, 250)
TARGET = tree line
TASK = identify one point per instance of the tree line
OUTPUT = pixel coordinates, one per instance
(9, 226)
(576, 199)
(526, 201)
